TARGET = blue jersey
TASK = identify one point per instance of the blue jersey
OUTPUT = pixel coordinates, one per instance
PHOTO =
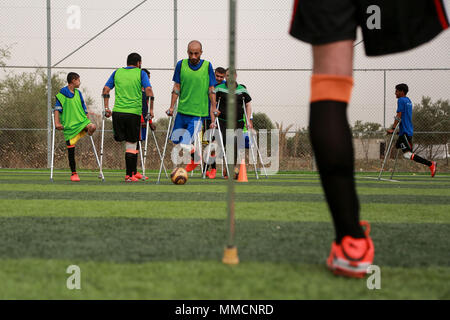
(404, 105)
(65, 91)
(145, 82)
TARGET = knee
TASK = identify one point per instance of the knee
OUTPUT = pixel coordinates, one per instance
(407, 155)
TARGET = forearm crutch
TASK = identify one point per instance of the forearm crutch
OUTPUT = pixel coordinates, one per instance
(387, 154)
(250, 140)
(96, 158)
(101, 145)
(223, 148)
(210, 141)
(144, 158)
(159, 153)
(165, 147)
(53, 146)
(395, 163)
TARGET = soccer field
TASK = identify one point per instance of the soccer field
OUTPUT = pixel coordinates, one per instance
(148, 241)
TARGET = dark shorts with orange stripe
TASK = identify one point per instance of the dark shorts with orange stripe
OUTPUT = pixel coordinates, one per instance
(404, 142)
(403, 24)
(126, 126)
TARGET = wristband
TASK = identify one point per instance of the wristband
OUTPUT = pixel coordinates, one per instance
(105, 95)
(152, 98)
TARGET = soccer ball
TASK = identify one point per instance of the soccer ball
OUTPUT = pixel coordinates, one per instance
(179, 176)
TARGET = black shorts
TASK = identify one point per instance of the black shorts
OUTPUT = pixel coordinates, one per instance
(404, 142)
(404, 24)
(126, 126)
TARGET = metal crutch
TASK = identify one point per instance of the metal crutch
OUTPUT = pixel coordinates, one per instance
(250, 140)
(387, 154)
(223, 148)
(101, 146)
(96, 158)
(395, 163)
(145, 146)
(159, 152)
(53, 146)
(210, 138)
(165, 147)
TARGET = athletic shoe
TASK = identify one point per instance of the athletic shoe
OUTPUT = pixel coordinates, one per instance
(433, 168)
(352, 256)
(207, 173)
(191, 166)
(212, 175)
(140, 176)
(74, 177)
(131, 179)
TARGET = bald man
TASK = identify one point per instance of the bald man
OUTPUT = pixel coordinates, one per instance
(193, 87)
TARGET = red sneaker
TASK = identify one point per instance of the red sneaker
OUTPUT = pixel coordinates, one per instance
(74, 177)
(191, 166)
(138, 175)
(131, 179)
(433, 168)
(352, 256)
(207, 174)
(212, 174)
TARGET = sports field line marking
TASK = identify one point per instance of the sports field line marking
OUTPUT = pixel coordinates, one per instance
(374, 178)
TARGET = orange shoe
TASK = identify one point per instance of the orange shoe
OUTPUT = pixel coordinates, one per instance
(74, 177)
(191, 166)
(352, 256)
(433, 168)
(207, 173)
(212, 174)
(131, 179)
(138, 175)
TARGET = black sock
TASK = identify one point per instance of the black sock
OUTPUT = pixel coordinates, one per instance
(333, 148)
(71, 154)
(213, 165)
(421, 160)
(129, 163)
(135, 159)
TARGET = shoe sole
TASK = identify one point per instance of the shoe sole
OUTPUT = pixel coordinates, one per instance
(344, 268)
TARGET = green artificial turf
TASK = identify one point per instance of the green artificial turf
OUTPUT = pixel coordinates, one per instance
(149, 241)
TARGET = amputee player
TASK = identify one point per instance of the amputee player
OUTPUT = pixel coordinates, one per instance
(71, 116)
(194, 82)
(405, 134)
(128, 83)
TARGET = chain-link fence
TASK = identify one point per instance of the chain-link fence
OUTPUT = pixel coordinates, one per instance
(94, 38)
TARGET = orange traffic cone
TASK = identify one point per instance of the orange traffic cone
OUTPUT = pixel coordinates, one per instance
(242, 177)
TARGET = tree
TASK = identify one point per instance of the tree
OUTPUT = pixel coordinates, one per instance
(367, 131)
(23, 106)
(4, 55)
(299, 145)
(283, 132)
(262, 121)
(431, 125)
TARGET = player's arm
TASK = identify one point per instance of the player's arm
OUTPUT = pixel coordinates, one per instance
(105, 95)
(149, 93)
(175, 94)
(248, 109)
(212, 98)
(398, 117)
(58, 124)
